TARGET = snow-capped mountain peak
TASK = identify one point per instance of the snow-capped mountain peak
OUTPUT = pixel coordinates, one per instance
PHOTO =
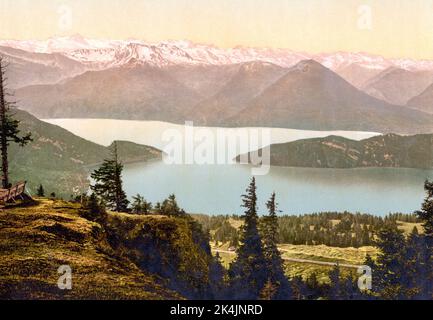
(102, 54)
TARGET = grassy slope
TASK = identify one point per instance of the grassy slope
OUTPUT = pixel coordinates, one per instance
(36, 240)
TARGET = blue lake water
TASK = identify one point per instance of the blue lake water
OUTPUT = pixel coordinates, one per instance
(216, 189)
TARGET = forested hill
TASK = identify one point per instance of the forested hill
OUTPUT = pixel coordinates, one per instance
(57, 158)
(389, 150)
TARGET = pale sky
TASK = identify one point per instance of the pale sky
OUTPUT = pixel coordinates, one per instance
(392, 28)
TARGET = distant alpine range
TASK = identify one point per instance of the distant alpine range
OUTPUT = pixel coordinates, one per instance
(177, 81)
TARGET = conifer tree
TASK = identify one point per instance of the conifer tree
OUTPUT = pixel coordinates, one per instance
(404, 267)
(140, 205)
(299, 288)
(9, 131)
(418, 280)
(335, 284)
(275, 264)
(269, 291)
(217, 278)
(426, 212)
(108, 183)
(170, 207)
(369, 261)
(234, 240)
(424, 244)
(248, 273)
(349, 289)
(41, 191)
(313, 287)
(390, 270)
(94, 210)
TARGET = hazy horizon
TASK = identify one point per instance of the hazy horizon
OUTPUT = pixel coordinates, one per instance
(393, 29)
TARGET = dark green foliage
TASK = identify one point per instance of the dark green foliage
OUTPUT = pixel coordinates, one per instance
(335, 284)
(169, 207)
(357, 230)
(423, 246)
(41, 191)
(223, 231)
(404, 267)
(234, 240)
(400, 270)
(248, 273)
(174, 248)
(353, 230)
(299, 288)
(9, 128)
(227, 233)
(108, 183)
(269, 291)
(277, 282)
(217, 279)
(313, 289)
(342, 288)
(140, 205)
(310, 289)
(390, 268)
(350, 290)
(94, 210)
(426, 212)
(420, 261)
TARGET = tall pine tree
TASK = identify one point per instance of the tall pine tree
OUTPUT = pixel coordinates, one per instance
(424, 245)
(249, 273)
(404, 267)
(275, 263)
(426, 212)
(108, 183)
(9, 131)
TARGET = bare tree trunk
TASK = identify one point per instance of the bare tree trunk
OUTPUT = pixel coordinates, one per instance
(3, 138)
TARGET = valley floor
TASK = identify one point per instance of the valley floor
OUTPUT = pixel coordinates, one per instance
(304, 260)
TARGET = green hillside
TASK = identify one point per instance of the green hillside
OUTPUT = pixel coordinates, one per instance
(389, 150)
(60, 160)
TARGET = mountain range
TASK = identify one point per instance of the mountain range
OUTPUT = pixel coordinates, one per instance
(398, 86)
(423, 101)
(310, 96)
(337, 152)
(177, 81)
(105, 54)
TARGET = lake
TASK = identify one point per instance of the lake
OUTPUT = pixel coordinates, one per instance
(216, 189)
(105, 131)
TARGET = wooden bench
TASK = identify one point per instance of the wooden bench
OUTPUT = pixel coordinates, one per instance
(17, 191)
